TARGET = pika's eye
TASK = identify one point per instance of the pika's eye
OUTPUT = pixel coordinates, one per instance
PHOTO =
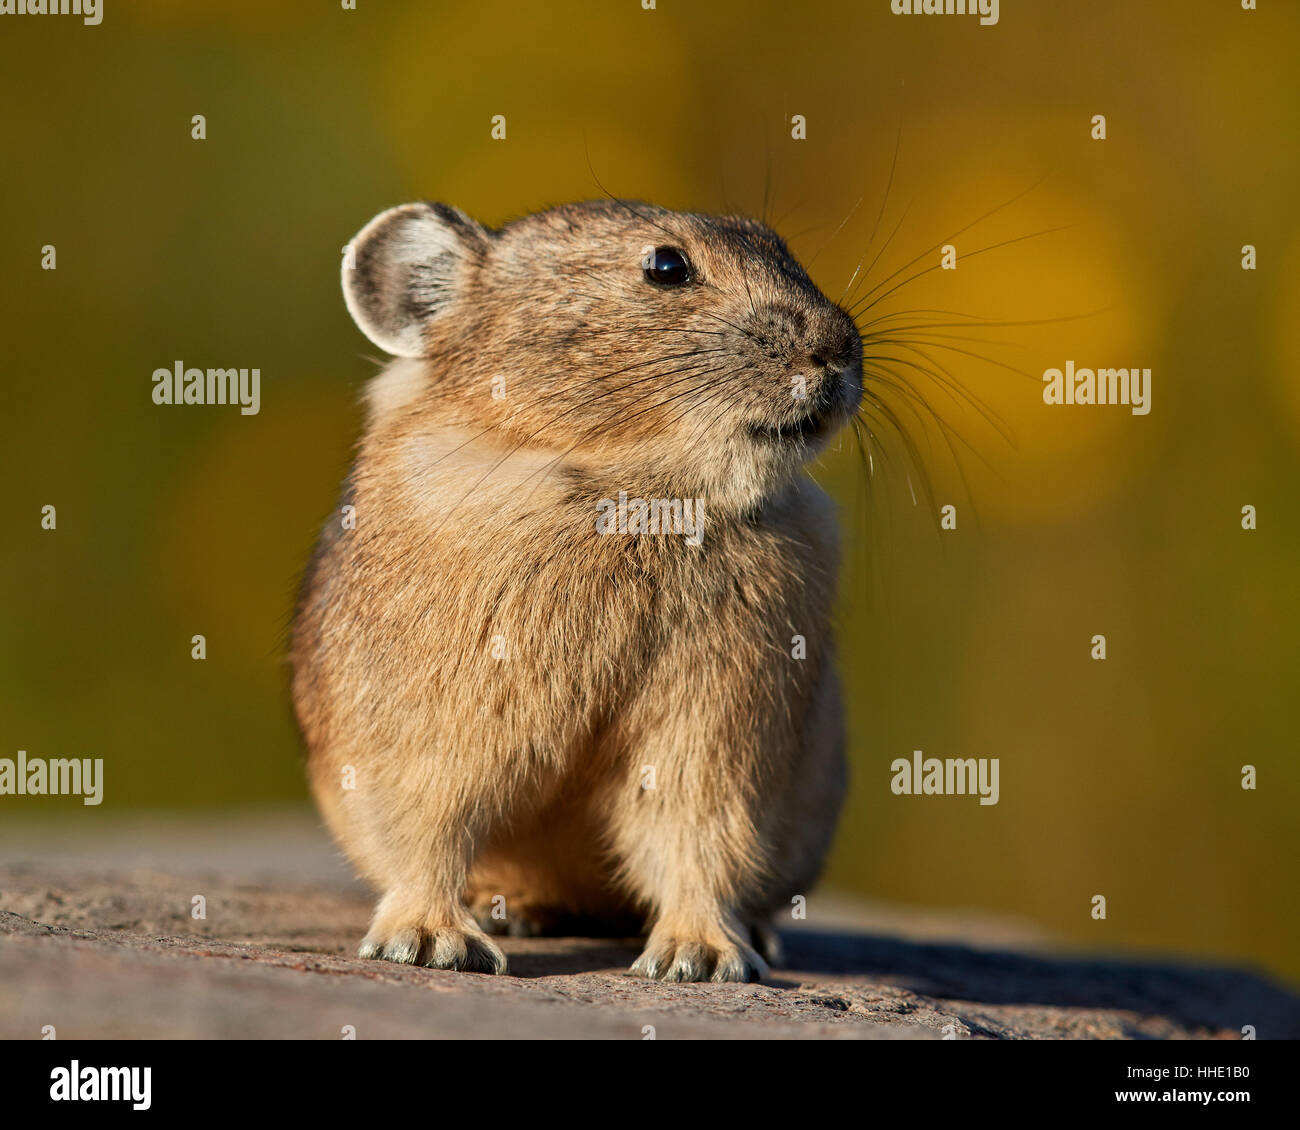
(666, 266)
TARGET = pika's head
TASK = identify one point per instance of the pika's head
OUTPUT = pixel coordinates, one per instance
(686, 351)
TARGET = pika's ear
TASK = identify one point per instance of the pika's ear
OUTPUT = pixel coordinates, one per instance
(403, 269)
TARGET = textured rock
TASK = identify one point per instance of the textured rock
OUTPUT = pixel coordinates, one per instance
(107, 949)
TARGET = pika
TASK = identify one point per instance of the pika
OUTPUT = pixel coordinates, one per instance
(520, 717)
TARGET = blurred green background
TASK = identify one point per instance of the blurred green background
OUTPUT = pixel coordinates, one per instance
(1119, 777)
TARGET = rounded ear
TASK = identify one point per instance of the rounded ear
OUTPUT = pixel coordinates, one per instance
(403, 269)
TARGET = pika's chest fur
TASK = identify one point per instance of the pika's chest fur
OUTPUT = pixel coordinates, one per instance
(475, 591)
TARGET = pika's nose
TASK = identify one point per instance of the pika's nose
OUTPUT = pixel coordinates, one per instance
(825, 337)
(834, 347)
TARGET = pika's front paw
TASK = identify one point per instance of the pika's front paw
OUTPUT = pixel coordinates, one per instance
(683, 959)
(447, 947)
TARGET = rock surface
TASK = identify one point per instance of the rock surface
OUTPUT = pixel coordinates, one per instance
(97, 938)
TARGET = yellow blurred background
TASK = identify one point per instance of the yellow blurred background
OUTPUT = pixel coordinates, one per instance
(1120, 777)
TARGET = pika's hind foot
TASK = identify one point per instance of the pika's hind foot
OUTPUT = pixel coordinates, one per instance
(445, 947)
(767, 941)
(513, 919)
(669, 958)
(518, 918)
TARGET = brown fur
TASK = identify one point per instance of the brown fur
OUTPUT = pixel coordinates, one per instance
(522, 775)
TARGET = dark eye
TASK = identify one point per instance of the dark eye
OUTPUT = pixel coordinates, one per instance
(667, 266)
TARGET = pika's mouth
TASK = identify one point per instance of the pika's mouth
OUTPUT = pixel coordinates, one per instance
(825, 407)
(806, 427)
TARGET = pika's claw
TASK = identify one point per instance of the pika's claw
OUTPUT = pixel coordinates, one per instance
(451, 948)
(671, 959)
(403, 947)
(447, 947)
